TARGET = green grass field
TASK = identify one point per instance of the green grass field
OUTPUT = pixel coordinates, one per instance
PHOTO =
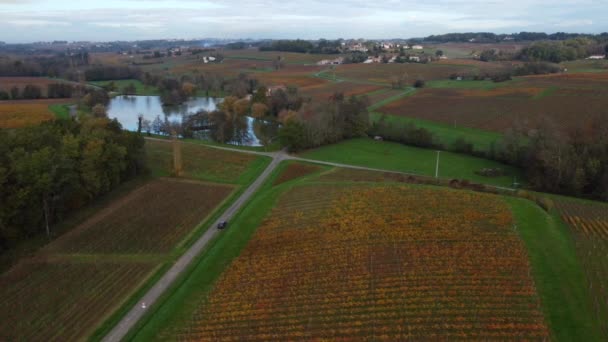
(447, 134)
(141, 89)
(61, 111)
(397, 157)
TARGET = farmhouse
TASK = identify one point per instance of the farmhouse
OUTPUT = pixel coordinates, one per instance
(358, 47)
(373, 60)
(417, 47)
(414, 59)
(336, 61)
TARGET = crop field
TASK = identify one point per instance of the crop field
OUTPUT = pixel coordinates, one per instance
(228, 68)
(384, 73)
(288, 57)
(63, 300)
(68, 288)
(6, 83)
(589, 229)
(200, 162)
(295, 170)
(298, 76)
(527, 101)
(383, 94)
(320, 93)
(378, 263)
(151, 220)
(22, 113)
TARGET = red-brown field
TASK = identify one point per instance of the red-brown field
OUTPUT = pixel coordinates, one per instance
(324, 92)
(22, 113)
(589, 228)
(199, 162)
(292, 75)
(375, 263)
(565, 99)
(384, 73)
(294, 171)
(152, 219)
(63, 300)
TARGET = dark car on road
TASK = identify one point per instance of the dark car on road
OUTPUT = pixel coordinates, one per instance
(222, 225)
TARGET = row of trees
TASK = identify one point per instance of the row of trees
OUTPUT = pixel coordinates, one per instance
(50, 170)
(107, 72)
(488, 37)
(557, 52)
(52, 66)
(549, 51)
(323, 46)
(31, 91)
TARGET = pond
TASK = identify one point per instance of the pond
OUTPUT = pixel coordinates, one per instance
(126, 109)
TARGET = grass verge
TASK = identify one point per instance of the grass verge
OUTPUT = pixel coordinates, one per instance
(419, 161)
(559, 278)
(61, 111)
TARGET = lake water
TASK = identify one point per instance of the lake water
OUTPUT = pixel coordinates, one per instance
(126, 110)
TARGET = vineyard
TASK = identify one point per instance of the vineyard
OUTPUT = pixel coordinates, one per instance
(151, 220)
(200, 162)
(527, 101)
(379, 263)
(589, 227)
(384, 73)
(72, 285)
(324, 92)
(22, 113)
(63, 301)
(294, 171)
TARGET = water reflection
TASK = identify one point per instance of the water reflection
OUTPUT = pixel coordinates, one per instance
(239, 131)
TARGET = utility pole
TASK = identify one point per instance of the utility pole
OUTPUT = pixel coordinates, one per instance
(177, 155)
(437, 166)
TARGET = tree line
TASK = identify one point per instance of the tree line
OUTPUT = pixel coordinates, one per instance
(554, 159)
(50, 170)
(488, 37)
(550, 51)
(31, 91)
(322, 46)
(317, 124)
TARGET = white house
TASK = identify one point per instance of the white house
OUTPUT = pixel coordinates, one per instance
(597, 57)
(417, 47)
(336, 61)
(414, 59)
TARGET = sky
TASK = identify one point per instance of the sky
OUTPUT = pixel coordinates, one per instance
(110, 20)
